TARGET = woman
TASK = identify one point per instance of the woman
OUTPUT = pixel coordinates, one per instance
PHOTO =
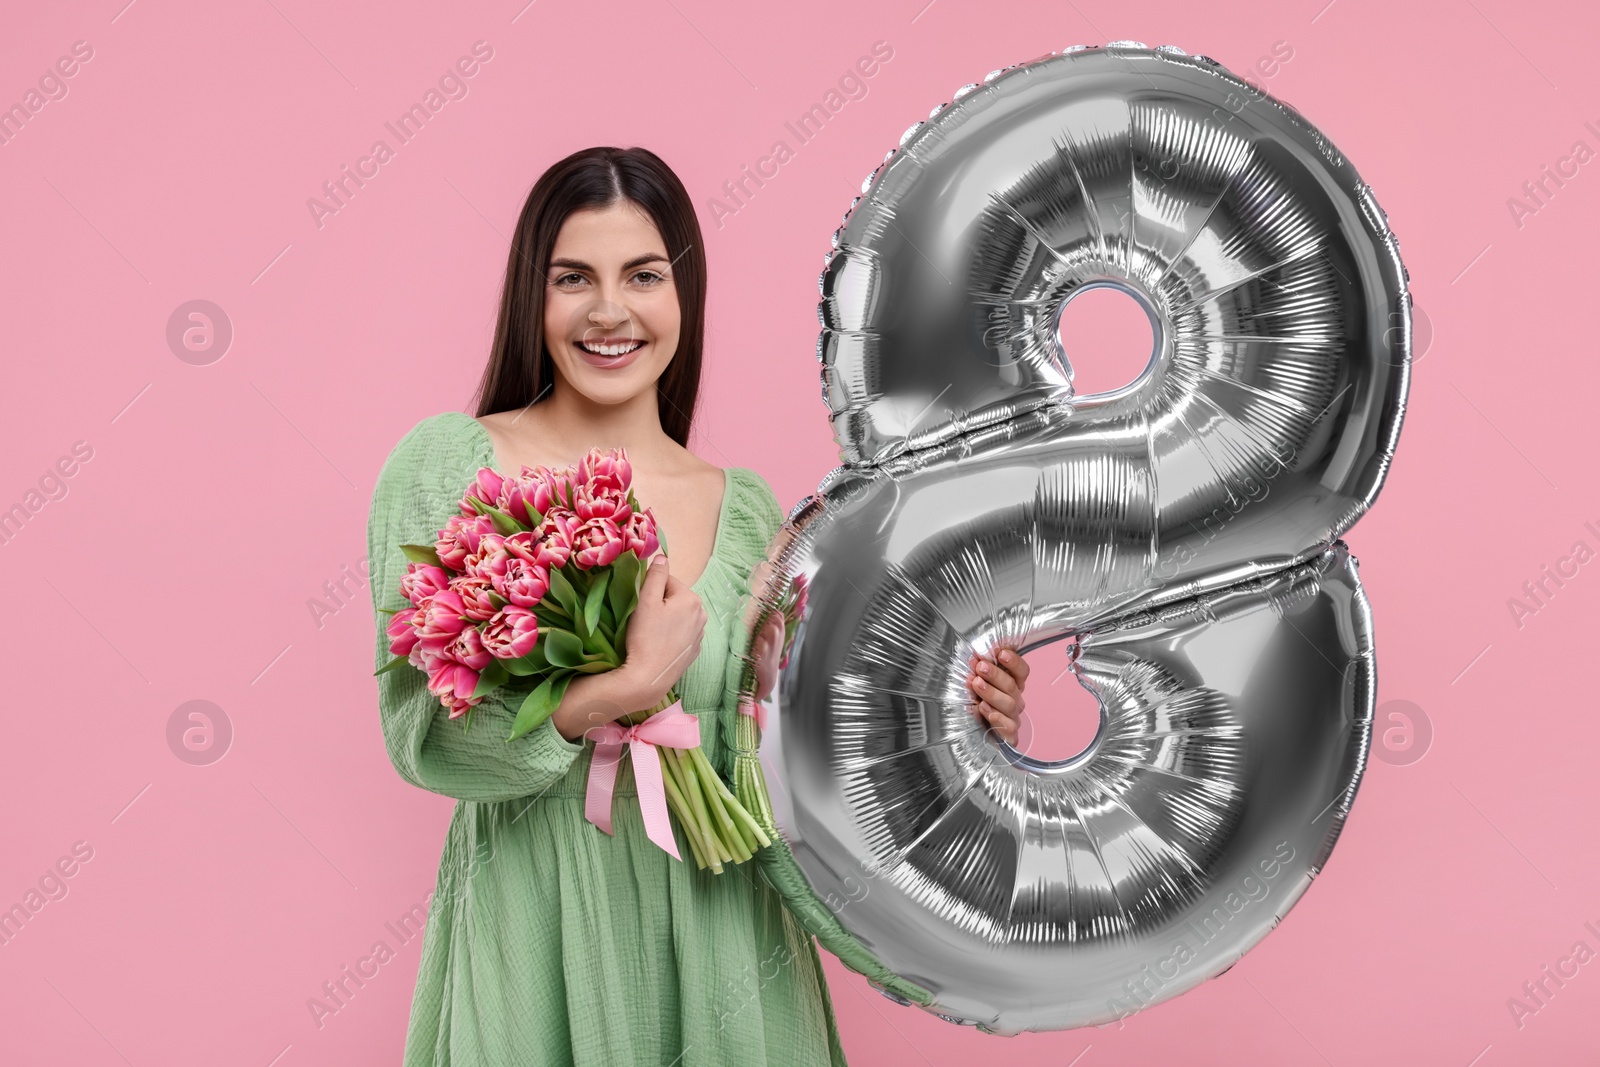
(549, 941)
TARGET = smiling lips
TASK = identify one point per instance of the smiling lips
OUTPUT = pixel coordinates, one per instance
(610, 353)
(611, 346)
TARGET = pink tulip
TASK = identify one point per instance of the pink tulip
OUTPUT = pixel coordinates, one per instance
(467, 649)
(596, 542)
(457, 706)
(523, 545)
(428, 653)
(640, 534)
(523, 583)
(608, 469)
(460, 537)
(563, 518)
(453, 684)
(403, 631)
(485, 486)
(568, 485)
(550, 544)
(457, 669)
(605, 501)
(512, 633)
(479, 599)
(442, 616)
(422, 580)
(489, 559)
(532, 492)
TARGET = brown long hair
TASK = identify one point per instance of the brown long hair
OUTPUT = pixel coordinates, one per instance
(520, 371)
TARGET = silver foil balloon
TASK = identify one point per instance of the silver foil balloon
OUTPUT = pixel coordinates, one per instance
(1183, 532)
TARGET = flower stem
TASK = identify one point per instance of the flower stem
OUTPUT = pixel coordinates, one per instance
(698, 850)
(749, 829)
(731, 839)
(697, 798)
(726, 806)
(678, 804)
(672, 781)
(710, 787)
(696, 814)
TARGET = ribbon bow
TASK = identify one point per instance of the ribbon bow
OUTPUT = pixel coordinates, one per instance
(671, 726)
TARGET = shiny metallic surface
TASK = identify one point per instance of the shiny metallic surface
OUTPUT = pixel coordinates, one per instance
(1183, 531)
(1271, 272)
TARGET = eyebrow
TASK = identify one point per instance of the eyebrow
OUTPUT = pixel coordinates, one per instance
(636, 261)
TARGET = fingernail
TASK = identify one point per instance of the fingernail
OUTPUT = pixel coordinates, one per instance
(983, 668)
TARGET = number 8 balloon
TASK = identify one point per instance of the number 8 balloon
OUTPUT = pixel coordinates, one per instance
(1182, 532)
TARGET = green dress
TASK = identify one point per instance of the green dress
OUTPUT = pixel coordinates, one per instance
(549, 941)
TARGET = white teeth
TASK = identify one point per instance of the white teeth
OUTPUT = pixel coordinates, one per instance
(610, 350)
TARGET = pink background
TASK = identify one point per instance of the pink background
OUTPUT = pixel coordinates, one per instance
(219, 898)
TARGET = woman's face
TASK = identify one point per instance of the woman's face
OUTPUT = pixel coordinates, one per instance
(611, 307)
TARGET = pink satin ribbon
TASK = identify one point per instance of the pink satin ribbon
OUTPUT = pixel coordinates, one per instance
(672, 727)
(754, 709)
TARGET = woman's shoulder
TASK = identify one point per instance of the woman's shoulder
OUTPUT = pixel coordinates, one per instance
(754, 512)
(432, 455)
(447, 428)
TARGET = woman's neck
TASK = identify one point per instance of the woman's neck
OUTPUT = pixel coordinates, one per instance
(574, 423)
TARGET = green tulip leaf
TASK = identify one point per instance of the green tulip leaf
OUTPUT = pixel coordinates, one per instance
(624, 582)
(421, 554)
(503, 522)
(540, 704)
(563, 648)
(533, 663)
(565, 595)
(490, 678)
(592, 602)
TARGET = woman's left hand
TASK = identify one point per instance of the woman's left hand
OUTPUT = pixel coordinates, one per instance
(767, 650)
(997, 684)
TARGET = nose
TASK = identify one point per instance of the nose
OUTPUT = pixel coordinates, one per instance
(606, 314)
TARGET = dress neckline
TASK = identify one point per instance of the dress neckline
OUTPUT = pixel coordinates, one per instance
(486, 448)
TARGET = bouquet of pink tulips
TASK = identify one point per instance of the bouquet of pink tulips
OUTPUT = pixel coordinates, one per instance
(534, 582)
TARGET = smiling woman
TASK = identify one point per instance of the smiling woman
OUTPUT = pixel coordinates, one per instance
(576, 946)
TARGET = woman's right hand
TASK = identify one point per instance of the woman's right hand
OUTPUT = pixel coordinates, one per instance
(664, 633)
(663, 638)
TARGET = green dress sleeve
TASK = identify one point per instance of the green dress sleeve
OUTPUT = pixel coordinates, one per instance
(418, 489)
